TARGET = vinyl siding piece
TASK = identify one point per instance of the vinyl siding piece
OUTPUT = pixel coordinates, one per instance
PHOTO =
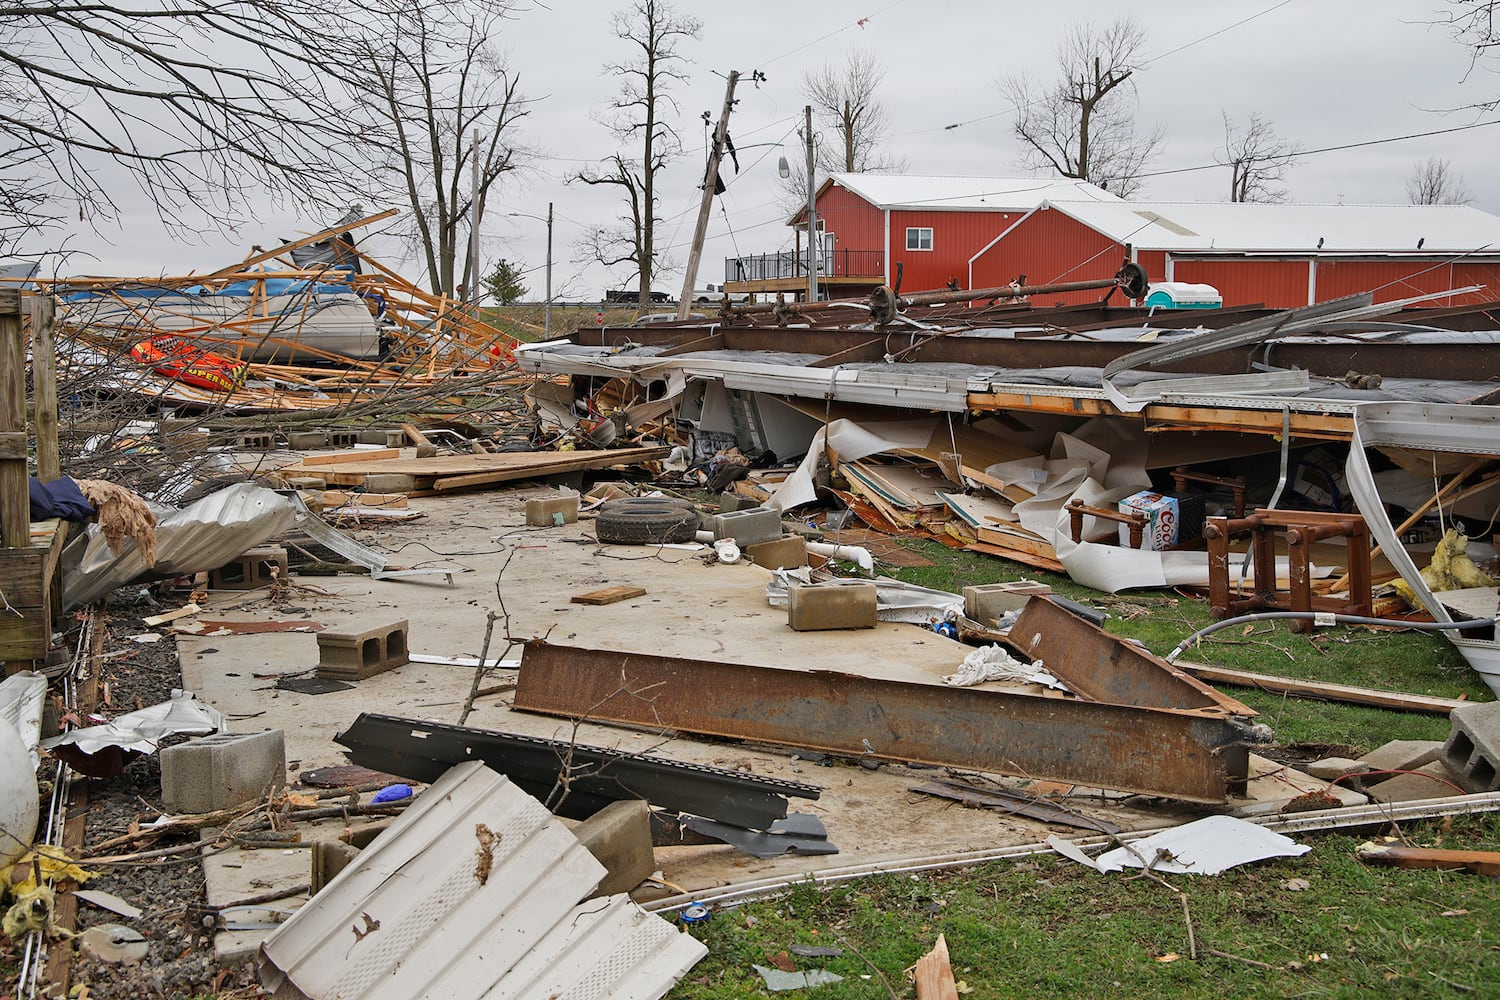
(412, 917)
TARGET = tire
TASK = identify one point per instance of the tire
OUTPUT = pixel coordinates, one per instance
(646, 521)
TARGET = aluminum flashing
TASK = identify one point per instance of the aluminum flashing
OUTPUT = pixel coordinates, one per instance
(1466, 430)
(422, 751)
(1186, 742)
(472, 893)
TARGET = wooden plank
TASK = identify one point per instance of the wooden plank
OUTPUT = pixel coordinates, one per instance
(1024, 558)
(1323, 691)
(15, 500)
(415, 436)
(342, 457)
(609, 595)
(1479, 862)
(44, 386)
(935, 974)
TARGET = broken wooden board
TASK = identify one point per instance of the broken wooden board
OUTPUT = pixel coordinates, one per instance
(452, 472)
(1479, 862)
(609, 595)
(1016, 555)
(1322, 690)
(344, 457)
(934, 974)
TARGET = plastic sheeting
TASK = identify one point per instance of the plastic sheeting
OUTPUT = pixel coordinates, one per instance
(198, 538)
(22, 698)
(140, 731)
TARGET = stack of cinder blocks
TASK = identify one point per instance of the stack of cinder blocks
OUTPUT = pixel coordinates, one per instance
(258, 567)
(221, 771)
(1472, 752)
(355, 653)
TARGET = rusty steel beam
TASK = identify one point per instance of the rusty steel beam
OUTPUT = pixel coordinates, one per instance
(1197, 754)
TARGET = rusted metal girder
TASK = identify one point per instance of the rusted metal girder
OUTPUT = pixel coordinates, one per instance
(1182, 739)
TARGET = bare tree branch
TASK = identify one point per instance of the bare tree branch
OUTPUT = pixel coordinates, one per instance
(1083, 125)
(1433, 181)
(1258, 160)
(653, 30)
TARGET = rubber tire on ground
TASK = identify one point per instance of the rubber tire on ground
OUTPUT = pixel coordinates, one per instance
(646, 521)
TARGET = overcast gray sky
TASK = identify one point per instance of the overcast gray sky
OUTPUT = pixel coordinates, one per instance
(1325, 72)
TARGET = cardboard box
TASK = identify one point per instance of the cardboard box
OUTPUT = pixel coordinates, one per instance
(1163, 522)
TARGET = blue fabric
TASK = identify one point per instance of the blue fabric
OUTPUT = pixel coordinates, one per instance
(59, 498)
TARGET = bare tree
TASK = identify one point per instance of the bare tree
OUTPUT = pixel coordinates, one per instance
(1433, 181)
(844, 102)
(1473, 23)
(1083, 124)
(653, 29)
(433, 99)
(198, 105)
(1258, 159)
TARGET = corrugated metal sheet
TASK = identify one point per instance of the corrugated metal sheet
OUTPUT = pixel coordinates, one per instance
(473, 893)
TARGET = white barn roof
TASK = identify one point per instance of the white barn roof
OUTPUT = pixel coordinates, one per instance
(1278, 229)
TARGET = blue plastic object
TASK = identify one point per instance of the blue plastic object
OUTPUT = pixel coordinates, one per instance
(392, 793)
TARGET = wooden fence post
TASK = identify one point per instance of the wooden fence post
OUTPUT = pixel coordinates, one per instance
(15, 492)
(44, 386)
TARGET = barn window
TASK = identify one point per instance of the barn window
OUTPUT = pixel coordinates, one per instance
(919, 238)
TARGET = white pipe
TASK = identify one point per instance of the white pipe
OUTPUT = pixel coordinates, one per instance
(852, 553)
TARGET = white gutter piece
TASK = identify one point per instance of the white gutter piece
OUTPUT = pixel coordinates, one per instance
(473, 893)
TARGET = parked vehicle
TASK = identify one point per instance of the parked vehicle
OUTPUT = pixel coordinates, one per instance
(628, 295)
(715, 293)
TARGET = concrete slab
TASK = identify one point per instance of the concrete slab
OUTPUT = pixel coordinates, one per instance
(1402, 755)
(1430, 781)
(690, 609)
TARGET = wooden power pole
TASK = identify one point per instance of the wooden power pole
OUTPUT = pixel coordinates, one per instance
(710, 183)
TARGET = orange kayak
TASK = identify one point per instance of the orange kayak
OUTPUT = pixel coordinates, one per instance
(189, 364)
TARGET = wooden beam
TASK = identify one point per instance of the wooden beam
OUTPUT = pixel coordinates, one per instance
(44, 386)
(1478, 862)
(15, 488)
(1322, 691)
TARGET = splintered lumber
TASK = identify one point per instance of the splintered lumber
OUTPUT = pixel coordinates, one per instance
(609, 595)
(935, 974)
(453, 472)
(1478, 862)
(1321, 690)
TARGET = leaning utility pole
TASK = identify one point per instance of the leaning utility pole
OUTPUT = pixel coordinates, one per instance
(710, 183)
(812, 213)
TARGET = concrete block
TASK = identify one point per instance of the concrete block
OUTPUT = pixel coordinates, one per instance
(383, 436)
(1401, 755)
(306, 482)
(426, 450)
(748, 527)
(731, 501)
(1430, 781)
(343, 439)
(223, 770)
(256, 442)
(543, 512)
(1473, 748)
(329, 857)
(389, 482)
(1333, 768)
(787, 552)
(986, 602)
(257, 567)
(355, 653)
(823, 606)
(307, 440)
(619, 838)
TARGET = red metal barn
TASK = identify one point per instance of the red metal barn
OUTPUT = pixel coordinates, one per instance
(1275, 255)
(873, 227)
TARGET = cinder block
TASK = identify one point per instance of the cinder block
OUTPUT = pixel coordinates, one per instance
(1401, 755)
(619, 838)
(256, 442)
(731, 501)
(823, 606)
(543, 511)
(306, 482)
(748, 527)
(390, 482)
(1472, 752)
(986, 602)
(307, 440)
(258, 567)
(343, 439)
(363, 651)
(787, 552)
(1430, 781)
(221, 771)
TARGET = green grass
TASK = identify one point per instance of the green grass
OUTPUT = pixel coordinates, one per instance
(1046, 927)
(1411, 662)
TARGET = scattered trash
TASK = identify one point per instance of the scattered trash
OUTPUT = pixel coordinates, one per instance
(108, 901)
(1203, 847)
(694, 913)
(996, 663)
(393, 793)
(779, 982)
(114, 943)
(102, 751)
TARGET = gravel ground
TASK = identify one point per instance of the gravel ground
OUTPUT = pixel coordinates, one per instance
(181, 960)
